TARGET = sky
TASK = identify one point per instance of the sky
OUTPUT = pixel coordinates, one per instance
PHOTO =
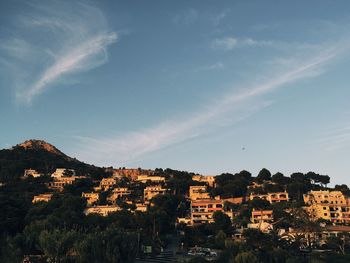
(202, 86)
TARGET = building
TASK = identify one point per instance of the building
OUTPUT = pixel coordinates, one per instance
(63, 172)
(59, 183)
(42, 198)
(198, 192)
(202, 210)
(262, 226)
(208, 179)
(131, 173)
(141, 207)
(31, 172)
(316, 237)
(234, 200)
(271, 197)
(151, 191)
(150, 178)
(103, 210)
(107, 183)
(329, 205)
(261, 216)
(183, 220)
(91, 198)
(118, 192)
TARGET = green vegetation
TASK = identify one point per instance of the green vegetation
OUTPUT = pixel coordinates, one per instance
(60, 231)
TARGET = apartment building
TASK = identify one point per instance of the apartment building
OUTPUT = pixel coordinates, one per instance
(329, 205)
(151, 191)
(198, 192)
(271, 197)
(261, 216)
(202, 210)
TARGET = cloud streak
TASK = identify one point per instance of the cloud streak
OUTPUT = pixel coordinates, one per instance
(229, 43)
(87, 55)
(231, 108)
(72, 42)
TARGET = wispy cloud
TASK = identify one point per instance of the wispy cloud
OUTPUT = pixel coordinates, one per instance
(229, 43)
(335, 139)
(232, 107)
(219, 17)
(214, 66)
(186, 17)
(74, 38)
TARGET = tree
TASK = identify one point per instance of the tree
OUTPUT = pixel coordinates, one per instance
(57, 244)
(220, 239)
(222, 222)
(245, 257)
(339, 242)
(109, 246)
(264, 174)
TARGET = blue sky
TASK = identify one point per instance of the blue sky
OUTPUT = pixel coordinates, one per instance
(192, 85)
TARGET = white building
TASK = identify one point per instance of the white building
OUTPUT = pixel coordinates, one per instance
(31, 172)
(63, 172)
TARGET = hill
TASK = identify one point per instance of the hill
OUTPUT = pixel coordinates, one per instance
(43, 157)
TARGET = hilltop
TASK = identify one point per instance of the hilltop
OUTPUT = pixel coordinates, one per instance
(40, 145)
(41, 156)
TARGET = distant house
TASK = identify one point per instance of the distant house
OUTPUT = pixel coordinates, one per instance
(59, 183)
(107, 183)
(91, 198)
(118, 192)
(63, 172)
(151, 191)
(198, 192)
(152, 178)
(261, 216)
(131, 173)
(42, 198)
(234, 200)
(314, 238)
(208, 179)
(271, 197)
(183, 220)
(102, 210)
(31, 172)
(141, 207)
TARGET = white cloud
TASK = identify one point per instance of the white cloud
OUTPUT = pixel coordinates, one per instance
(214, 66)
(229, 43)
(229, 109)
(87, 55)
(55, 40)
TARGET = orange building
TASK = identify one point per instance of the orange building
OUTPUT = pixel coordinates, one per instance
(202, 210)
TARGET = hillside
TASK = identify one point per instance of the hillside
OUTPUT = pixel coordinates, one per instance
(41, 156)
